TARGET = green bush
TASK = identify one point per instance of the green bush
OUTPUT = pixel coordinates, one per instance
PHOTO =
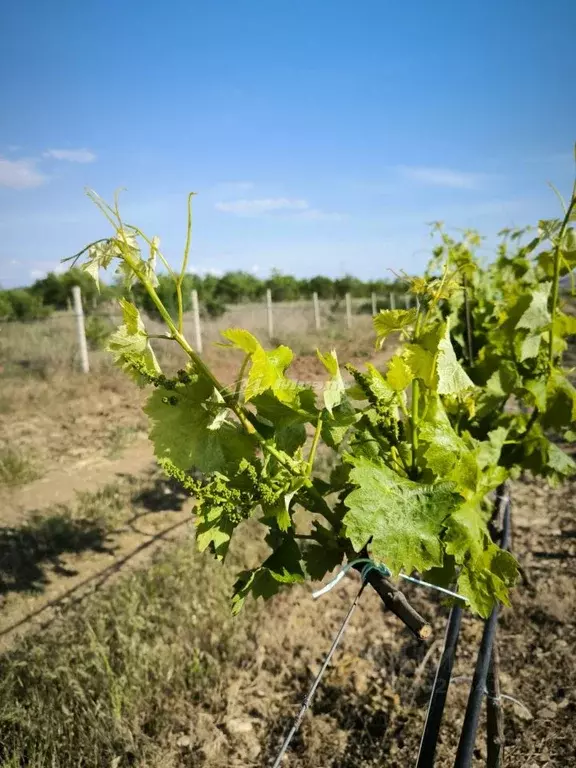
(55, 290)
(212, 308)
(5, 306)
(21, 304)
(98, 330)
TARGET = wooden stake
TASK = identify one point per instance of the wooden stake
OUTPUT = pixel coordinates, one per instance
(316, 311)
(348, 311)
(494, 714)
(80, 329)
(269, 313)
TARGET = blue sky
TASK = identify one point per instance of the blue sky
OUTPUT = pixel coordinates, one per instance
(320, 135)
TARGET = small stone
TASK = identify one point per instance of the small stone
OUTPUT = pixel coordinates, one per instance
(235, 726)
(547, 713)
(183, 741)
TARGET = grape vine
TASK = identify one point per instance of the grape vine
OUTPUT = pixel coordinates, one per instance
(474, 394)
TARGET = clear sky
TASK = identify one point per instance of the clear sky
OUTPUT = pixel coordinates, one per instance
(321, 135)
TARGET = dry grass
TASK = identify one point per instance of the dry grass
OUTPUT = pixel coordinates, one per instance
(119, 675)
(123, 675)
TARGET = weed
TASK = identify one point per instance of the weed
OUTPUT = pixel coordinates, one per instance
(120, 437)
(98, 330)
(15, 467)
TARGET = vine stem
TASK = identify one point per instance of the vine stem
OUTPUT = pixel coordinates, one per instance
(240, 378)
(314, 445)
(469, 329)
(556, 278)
(414, 403)
(181, 276)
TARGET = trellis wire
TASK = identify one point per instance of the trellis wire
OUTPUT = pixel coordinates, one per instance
(309, 696)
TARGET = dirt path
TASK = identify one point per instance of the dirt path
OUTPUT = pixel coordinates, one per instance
(61, 486)
(73, 531)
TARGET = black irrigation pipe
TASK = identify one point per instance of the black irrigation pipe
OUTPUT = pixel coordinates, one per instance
(467, 742)
(429, 742)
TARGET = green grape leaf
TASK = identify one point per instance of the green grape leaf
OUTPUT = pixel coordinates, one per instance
(389, 321)
(536, 316)
(267, 368)
(334, 389)
(466, 531)
(538, 390)
(401, 519)
(378, 386)
(214, 531)
(420, 361)
(547, 228)
(504, 380)
(488, 579)
(452, 378)
(527, 346)
(565, 324)
(488, 451)
(399, 374)
(320, 560)
(560, 462)
(287, 422)
(561, 403)
(441, 448)
(321, 556)
(181, 420)
(284, 566)
(334, 430)
(130, 346)
(280, 510)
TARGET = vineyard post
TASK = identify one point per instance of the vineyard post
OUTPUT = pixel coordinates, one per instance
(374, 304)
(348, 311)
(80, 329)
(269, 317)
(392, 301)
(196, 317)
(316, 310)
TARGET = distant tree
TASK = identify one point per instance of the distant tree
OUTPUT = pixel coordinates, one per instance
(55, 290)
(323, 286)
(283, 287)
(349, 284)
(25, 305)
(6, 312)
(236, 287)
